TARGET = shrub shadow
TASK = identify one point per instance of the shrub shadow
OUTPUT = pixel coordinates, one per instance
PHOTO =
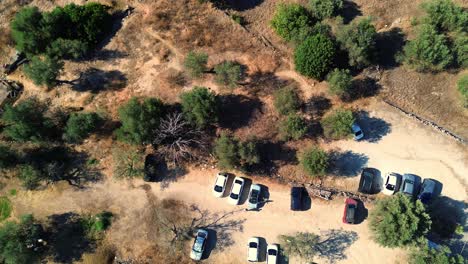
(347, 163)
(335, 243)
(361, 88)
(243, 5)
(106, 55)
(96, 80)
(272, 156)
(349, 11)
(317, 106)
(374, 128)
(237, 110)
(169, 174)
(389, 44)
(263, 84)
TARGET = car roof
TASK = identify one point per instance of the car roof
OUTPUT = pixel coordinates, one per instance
(239, 179)
(409, 176)
(255, 187)
(236, 187)
(220, 179)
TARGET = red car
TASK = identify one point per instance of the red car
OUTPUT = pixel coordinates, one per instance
(350, 211)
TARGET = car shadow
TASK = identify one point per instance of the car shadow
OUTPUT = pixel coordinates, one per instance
(210, 244)
(362, 212)
(229, 182)
(306, 200)
(282, 256)
(245, 190)
(264, 196)
(374, 128)
(262, 249)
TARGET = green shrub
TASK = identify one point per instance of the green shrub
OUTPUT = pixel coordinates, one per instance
(301, 244)
(66, 49)
(200, 106)
(195, 63)
(460, 49)
(322, 9)
(79, 126)
(462, 86)
(429, 51)
(291, 21)
(26, 31)
(293, 127)
(446, 15)
(226, 151)
(248, 153)
(424, 255)
(43, 72)
(238, 19)
(95, 225)
(314, 57)
(228, 73)
(139, 120)
(339, 82)
(337, 125)
(128, 162)
(286, 100)
(358, 39)
(30, 177)
(397, 221)
(5, 208)
(314, 161)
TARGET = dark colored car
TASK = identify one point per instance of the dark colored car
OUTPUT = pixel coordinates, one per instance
(428, 191)
(367, 179)
(350, 211)
(297, 198)
(410, 185)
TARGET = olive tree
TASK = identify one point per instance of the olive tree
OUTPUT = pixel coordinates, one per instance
(286, 100)
(195, 63)
(339, 82)
(314, 57)
(314, 161)
(337, 125)
(200, 106)
(322, 9)
(300, 244)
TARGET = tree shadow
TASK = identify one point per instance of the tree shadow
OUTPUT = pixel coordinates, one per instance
(272, 156)
(67, 238)
(389, 44)
(264, 196)
(96, 80)
(107, 54)
(243, 5)
(446, 214)
(170, 174)
(335, 243)
(117, 22)
(362, 88)
(361, 213)
(317, 106)
(347, 163)
(263, 84)
(374, 128)
(349, 11)
(237, 110)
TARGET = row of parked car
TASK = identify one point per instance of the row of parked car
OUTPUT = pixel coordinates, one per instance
(237, 189)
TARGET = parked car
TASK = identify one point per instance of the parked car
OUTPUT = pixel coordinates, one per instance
(410, 185)
(254, 196)
(366, 181)
(220, 184)
(253, 249)
(236, 191)
(357, 131)
(392, 183)
(199, 244)
(350, 211)
(296, 198)
(427, 192)
(272, 254)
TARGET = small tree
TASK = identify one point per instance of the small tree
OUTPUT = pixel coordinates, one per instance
(337, 125)
(200, 106)
(66, 49)
(301, 244)
(226, 149)
(445, 15)
(429, 51)
(195, 63)
(293, 127)
(286, 100)
(460, 49)
(314, 161)
(339, 82)
(128, 162)
(80, 125)
(43, 72)
(291, 21)
(462, 86)
(322, 9)
(139, 120)
(26, 31)
(30, 177)
(423, 255)
(248, 152)
(228, 73)
(398, 221)
(314, 57)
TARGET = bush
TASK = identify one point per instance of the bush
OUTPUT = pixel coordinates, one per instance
(30, 177)
(286, 100)
(128, 162)
(26, 31)
(423, 255)
(322, 9)
(397, 221)
(291, 21)
(314, 161)
(5, 208)
(200, 107)
(302, 245)
(429, 51)
(358, 39)
(460, 49)
(462, 86)
(248, 153)
(339, 82)
(314, 57)
(195, 63)
(66, 49)
(95, 225)
(293, 127)
(79, 126)
(445, 15)
(226, 151)
(43, 72)
(139, 120)
(228, 73)
(337, 125)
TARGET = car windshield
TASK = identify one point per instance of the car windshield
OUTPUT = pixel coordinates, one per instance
(408, 187)
(218, 188)
(253, 245)
(234, 196)
(272, 252)
(350, 212)
(358, 133)
(197, 246)
(253, 197)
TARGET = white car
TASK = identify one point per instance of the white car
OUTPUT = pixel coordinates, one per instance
(236, 191)
(253, 249)
(272, 254)
(357, 132)
(391, 183)
(220, 184)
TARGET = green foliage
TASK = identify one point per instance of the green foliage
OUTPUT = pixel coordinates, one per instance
(8, 157)
(337, 125)
(429, 51)
(26, 121)
(226, 151)
(19, 241)
(286, 100)
(301, 244)
(423, 255)
(462, 86)
(340, 82)
(200, 106)
(26, 31)
(139, 120)
(95, 225)
(291, 21)
(5, 208)
(79, 126)
(238, 19)
(195, 63)
(30, 177)
(66, 49)
(128, 162)
(359, 40)
(398, 221)
(228, 73)
(13, 192)
(43, 71)
(322, 9)
(314, 161)
(293, 127)
(445, 15)
(314, 57)
(248, 152)
(460, 49)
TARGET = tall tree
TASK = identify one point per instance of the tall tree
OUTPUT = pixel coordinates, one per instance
(26, 31)
(200, 106)
(43, 71)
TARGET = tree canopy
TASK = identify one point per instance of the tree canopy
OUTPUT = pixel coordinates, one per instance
(43, 71)
(286, 100)
(462, 86)
(300, 244)
(314, 161)
(293, 127)
(337, 125)
(226, 151)
(322, 9)
(200, 106)
(291, 21)
(423, 255)
(228, 73)
(445, 15)
(80, 125)
(195, 63)
(339, 82)
(314, 57)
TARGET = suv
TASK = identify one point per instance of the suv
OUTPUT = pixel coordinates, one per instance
(236, 191)
(296, 198)
(409, 185)
(253, 249)
(199, 244)
(272, 254)
(220, 184)
(366, 182)
(254, 196)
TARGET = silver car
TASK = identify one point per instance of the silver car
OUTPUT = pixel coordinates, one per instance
(357, 132)
(254, 196)
(199, 244)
